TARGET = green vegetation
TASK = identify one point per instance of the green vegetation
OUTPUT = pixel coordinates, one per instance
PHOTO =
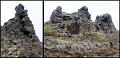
(49, 30)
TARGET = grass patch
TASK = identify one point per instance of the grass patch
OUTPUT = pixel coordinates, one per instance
(97, 36)
(48, 31)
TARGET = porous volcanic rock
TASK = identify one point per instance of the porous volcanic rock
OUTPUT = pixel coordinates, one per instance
(56, 15)
(18, 38)
(74, 23)
(104, 23)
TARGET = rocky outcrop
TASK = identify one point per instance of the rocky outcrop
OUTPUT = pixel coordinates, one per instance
(74, 23)
(82, 18)
(83, 12)
(74, 28)
(78, 36)
(56, 15)
(18, 38)
(104, 23)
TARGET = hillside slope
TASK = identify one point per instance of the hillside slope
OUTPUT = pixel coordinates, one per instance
(76, 35)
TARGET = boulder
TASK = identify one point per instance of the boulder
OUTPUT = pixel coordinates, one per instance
(20, 12)
(83, 12)
(104, 23)
(56, 15)
(73, 28)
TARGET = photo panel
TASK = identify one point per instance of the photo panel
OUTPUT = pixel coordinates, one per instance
(59, 29)
(21, 28)
(81, 28)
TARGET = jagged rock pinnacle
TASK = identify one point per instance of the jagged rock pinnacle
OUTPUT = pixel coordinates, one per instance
(56, 16)
(18, 36)
(20, 12)
(104, 23)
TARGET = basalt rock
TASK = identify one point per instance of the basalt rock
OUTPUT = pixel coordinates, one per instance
(66, 16)
(74, 28)
(21, 24)
(82, 19)
(83, 12)
(18, 38)
(56, 15)
(104, 23)
(20, 12)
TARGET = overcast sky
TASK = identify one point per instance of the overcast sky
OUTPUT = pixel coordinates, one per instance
(34, 12)
(94, 7)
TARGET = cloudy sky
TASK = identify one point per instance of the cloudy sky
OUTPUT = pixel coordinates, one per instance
(94, 7)
(34, 12)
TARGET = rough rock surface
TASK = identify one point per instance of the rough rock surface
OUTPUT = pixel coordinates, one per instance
(56, 15)
(79, 21)
(79, 36)
(18, 38)
(104, 23)
(83, 12)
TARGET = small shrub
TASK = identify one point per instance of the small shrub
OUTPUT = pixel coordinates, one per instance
(48, 30)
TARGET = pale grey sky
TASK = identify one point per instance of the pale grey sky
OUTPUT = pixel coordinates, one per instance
(34, 12)
(94, 7)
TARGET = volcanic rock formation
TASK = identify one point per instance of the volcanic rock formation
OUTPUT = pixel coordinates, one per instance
(76, 35)
(56, 15)
(104, 23)
(18, 38)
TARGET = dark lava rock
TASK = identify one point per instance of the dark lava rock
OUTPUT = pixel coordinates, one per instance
(20, 12)
(84, 8)
(82, 17)
(66, 16)
(74, 28)
(104, 23)
(56, 15)
(18, 38)
(83, 12)
(20, 25)
(106, 18)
